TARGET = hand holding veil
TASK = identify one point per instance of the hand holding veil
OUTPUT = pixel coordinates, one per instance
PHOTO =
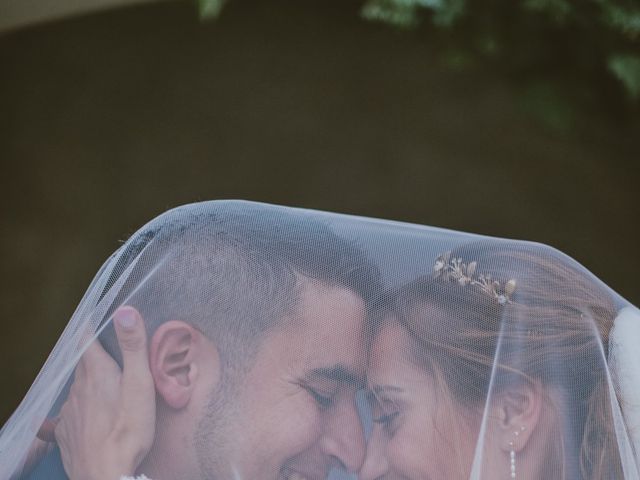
(117, 412)
(110, 408)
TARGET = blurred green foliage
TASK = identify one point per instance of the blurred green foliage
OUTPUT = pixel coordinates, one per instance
(627, 69)
(210, 8)
(567, 57)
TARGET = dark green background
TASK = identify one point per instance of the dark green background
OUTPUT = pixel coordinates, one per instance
(108, 120)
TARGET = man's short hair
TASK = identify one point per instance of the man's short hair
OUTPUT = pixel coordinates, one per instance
(234, 270)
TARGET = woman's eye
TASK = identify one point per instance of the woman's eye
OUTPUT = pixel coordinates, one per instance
(386, 420)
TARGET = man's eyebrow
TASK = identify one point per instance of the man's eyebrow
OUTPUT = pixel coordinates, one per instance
(337, 373)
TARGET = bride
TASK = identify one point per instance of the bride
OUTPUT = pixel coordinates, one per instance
(495, 366)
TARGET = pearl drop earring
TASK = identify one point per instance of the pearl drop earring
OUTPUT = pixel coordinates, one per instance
(512, 454)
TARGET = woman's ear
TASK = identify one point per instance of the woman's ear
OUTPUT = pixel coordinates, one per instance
(180, 358)
(516, 413)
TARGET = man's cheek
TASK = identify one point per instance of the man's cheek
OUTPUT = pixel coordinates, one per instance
(301, 431)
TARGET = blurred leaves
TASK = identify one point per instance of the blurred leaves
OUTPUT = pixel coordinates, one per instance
(400, 13)
(210, 8)
(627, 69)
(574, 46)
(625, 19)
(590, 47)
(557, 10)
(405, 13)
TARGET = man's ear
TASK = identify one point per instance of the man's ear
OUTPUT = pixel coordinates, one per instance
(516, 413)
(180, 357)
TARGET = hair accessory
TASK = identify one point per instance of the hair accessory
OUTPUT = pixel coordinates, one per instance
(454, 269)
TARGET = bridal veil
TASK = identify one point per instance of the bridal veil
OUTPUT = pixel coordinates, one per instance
(530, 363)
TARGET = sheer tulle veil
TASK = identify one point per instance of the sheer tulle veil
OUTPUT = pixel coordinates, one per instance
(532, 363)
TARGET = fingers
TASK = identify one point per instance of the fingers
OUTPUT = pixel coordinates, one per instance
(137, 396)
(109, 412)
(93, 355)
(132, 338)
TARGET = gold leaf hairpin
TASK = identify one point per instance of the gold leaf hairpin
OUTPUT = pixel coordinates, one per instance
(454, 269)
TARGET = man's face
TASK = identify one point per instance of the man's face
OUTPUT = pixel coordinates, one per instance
(294, 416)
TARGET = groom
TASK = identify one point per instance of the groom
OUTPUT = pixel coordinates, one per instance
(256, 323)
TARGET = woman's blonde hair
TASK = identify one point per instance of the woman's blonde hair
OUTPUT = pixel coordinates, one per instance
(551, 325)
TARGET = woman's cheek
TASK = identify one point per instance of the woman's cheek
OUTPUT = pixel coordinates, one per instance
(404, 455)
(414, 453)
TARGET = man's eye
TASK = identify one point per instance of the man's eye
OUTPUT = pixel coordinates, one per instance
(387, 419)
(322, 400)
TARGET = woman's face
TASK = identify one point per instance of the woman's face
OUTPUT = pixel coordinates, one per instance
(417, 433)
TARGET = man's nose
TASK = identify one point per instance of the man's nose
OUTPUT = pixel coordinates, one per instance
(375, 463)
(343, 439)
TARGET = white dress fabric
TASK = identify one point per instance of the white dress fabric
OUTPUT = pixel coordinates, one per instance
(492, 358)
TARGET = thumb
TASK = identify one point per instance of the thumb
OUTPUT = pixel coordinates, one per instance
(132, 339)
(138, 391)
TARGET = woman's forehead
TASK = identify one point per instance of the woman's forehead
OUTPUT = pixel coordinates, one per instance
(390, 350)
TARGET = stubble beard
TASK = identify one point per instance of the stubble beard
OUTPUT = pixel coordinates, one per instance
(212, 438)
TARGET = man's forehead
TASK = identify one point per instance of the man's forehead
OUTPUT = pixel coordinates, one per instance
(316, 296)
(334, 314)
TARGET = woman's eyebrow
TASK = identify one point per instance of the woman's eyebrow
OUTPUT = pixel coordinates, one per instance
(382, 389)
